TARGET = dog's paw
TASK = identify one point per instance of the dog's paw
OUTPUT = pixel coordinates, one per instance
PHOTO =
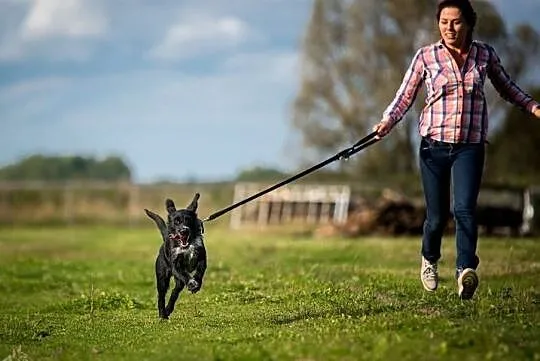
(193, 286)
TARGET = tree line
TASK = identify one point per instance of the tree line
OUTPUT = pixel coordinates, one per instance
(66, 168)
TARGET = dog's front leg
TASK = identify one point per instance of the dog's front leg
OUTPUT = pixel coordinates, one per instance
(163, 278)
(179, 286)
(195, 283)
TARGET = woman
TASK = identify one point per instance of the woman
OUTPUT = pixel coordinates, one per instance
(453, 126)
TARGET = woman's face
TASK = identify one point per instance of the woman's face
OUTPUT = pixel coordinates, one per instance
(453, 27)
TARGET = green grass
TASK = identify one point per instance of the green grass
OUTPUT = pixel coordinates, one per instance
(88, 294)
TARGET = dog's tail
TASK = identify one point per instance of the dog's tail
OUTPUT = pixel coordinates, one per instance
(160, 223)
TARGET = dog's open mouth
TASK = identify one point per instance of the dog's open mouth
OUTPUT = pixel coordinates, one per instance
(182, 237)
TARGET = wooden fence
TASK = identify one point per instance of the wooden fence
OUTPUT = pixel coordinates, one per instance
(299, 203)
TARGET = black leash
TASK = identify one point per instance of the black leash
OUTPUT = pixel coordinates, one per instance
(344, 154)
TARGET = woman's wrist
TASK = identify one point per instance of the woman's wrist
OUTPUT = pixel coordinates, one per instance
(536, 112)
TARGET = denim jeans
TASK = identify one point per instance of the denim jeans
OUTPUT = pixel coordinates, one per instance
(455, 168)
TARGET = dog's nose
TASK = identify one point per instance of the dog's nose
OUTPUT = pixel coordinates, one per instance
(184, 231)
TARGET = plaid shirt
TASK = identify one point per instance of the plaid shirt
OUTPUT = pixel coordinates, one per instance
(455, 109)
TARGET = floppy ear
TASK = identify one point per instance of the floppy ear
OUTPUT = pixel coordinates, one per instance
(160, 223)
(194, 203)
(169, 204)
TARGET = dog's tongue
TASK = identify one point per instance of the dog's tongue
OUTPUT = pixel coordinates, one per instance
(183, 240)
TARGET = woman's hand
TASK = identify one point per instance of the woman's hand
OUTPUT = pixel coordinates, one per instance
(382, 128)
(537, 113)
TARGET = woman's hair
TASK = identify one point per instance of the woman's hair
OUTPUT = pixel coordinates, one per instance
(467, 11)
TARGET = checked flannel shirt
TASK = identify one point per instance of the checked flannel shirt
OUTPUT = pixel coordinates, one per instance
(455, 109)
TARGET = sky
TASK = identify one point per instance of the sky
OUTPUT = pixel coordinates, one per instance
(180, 89)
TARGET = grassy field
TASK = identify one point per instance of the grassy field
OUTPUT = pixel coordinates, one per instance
(88, 294)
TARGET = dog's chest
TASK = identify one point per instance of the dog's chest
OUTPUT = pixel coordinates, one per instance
(185, 258)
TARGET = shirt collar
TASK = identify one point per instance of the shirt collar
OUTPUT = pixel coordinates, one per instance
(440, 44)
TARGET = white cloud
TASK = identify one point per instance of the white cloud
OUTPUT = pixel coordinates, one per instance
(51, 29)
(63, 18)
(200, 34)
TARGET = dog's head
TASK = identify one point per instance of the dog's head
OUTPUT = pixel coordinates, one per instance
(183, 225)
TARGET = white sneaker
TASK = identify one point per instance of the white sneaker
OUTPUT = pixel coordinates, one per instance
(429, 275)
(467, 283)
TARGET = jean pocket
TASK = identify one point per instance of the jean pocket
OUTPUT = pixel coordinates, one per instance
(425, 144)
(425, 149)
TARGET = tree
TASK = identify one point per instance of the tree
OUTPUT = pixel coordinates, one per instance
(355, 53)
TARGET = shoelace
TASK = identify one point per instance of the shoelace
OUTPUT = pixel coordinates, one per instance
(430, 270)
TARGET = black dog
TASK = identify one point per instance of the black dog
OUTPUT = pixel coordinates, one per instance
(181, 255)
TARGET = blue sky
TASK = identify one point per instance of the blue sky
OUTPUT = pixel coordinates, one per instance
(148, 80)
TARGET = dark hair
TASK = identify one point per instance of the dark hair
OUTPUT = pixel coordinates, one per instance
(467, 11)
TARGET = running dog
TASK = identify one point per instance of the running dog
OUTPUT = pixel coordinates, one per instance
(182, 254)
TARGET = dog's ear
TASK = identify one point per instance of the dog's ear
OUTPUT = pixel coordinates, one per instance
(194, 203)
(169, 205)
(160, 223)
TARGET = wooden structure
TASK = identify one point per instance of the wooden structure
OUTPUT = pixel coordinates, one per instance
(308, 204)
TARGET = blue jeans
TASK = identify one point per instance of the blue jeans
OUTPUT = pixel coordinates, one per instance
(446, 167)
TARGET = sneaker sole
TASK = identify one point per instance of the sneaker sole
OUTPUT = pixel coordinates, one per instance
(468, 285)
(427, 288)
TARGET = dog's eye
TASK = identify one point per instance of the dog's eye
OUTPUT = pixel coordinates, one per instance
(177, 221)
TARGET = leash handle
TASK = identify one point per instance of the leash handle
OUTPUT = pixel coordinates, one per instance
(358, 146)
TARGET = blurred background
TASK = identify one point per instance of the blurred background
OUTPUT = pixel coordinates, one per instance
(109, 107)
